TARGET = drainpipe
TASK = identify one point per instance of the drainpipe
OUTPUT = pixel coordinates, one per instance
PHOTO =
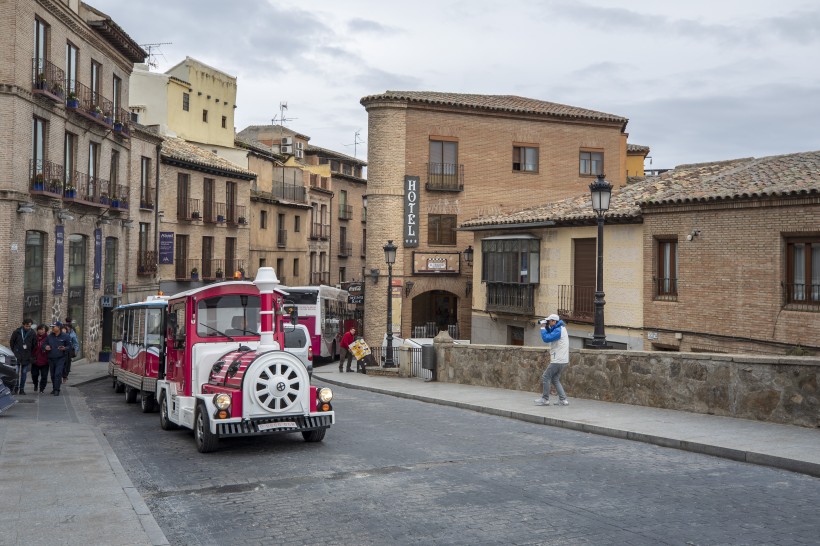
(330, 237)
(156, 214)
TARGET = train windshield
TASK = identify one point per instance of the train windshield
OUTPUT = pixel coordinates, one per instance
(232, 315)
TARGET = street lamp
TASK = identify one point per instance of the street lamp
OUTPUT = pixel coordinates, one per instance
(390, 258)
(601, 191)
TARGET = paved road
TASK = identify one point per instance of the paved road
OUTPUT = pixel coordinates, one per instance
(397, 471)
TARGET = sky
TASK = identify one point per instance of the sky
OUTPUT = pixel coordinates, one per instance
(698, 80)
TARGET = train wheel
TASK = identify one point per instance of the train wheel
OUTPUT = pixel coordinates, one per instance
(131, 394)
(146, 402)
(314, 435)
(164, 422)
(119, 388)
(206, 441)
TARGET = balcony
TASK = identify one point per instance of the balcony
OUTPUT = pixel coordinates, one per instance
(345, 212)
(92, 106)
(576, 302)
(147, 200)
(345, 249)
(325, 231)
(187, 269)
(237, 215)
(514, 298)
(235, 268)
(445, 177)
(213, 269)
(290, 192)
(317, 278)
(46, 178)
(281, 238)
(315, 230)
(220, 210)
(364, 249)
(47, 80)
(146, 262)
(802, 297)
(666, 289)
(188, 209)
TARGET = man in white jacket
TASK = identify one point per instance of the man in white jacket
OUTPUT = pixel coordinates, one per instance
(554, 332)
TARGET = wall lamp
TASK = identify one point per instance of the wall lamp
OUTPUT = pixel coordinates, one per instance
(693, 234)
(374, 275)
(408, 287)
(25, 208)
(64, 215)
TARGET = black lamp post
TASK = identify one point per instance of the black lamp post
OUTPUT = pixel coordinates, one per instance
(601, 191)
(390, 258)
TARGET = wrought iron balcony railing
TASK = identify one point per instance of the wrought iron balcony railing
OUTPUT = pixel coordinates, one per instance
(445, 177)
(511, 298)
(576, 302)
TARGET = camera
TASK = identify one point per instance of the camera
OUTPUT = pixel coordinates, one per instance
(542, 321)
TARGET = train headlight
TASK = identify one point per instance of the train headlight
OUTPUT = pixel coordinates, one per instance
(325, 395)
(222, 401)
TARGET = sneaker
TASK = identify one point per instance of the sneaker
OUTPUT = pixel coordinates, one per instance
(563, 403)
(541, 402)
(22, 393)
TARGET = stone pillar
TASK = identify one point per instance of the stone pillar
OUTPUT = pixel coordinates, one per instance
(385, 207)
(443, 344)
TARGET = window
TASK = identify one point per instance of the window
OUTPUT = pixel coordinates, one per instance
(297, 224)
(224, 122)
(667, 269)
(143, 238)
(41, 46)
(263, 219)
(181, 257)
(230, 255)
(208, 203)
(296, 267)
(77, 252)
(205, 116)
(262, 262)
(117, 95)
(71, 60)
(280, 266)
(38, 145)
(510, 261)
(110, 268)
(33, 276)
(592, 163)
(342, 273)
(441, 229)
(186, 102)
(145, 182)
(183, 190)
(89, 192)
(70, 157)
(208, 271)
(231, 197)
(803, 270)
(443, 171)
(525, 159)
(227, 313)
(96, 71)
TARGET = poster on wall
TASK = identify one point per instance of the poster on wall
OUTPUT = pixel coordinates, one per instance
(59, 253)
(396, 292)
(411, 211)
(97, 258)
(166, 247)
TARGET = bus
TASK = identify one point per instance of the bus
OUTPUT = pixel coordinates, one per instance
(326, 313)
(211, 359)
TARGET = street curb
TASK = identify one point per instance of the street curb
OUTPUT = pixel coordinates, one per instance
(751, 457)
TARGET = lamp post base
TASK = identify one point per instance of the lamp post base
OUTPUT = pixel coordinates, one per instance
(598, 344)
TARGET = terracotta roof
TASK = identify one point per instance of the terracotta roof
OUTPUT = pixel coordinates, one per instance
(784, 175)
(284, 131)
(176, 148)
(331, 153)
(258, 147)
(115, 35)
(636, 149)
(500, 103)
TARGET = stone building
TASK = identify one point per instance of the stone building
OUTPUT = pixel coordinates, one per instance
(65, 164)
(437, 159)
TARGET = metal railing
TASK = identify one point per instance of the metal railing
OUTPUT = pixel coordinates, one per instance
(576, 302)
(345, 249)
(666, 289)
(234, 266)
(188, 209)
(187, 269)
(320, 277)
(315, 230)
(345, 212)
(147, 200)
(237, 215)
(511, 298)
(290, 192)
(281, 238)
(47, 79)
(219, 210)
(325, 231)
(802, 296)
(146, 262)
(364, 249)
(46, 177)
(445, 177)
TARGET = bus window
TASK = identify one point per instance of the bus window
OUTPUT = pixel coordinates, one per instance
(153, 328)
(233, 315)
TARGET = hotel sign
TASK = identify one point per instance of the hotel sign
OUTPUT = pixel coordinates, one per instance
(438, 263)
(411, 211)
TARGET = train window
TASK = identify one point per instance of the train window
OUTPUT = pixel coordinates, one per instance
(153, 328)
(176, 325)
(141, 326)
(233, 315)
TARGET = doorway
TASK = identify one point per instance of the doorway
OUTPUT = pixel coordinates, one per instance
(433, 312)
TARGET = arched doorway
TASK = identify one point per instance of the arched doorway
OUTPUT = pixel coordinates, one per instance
(434, 311)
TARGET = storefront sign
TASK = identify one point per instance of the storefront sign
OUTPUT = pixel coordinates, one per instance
(166, 247)
(426, 263)
(59, 253)
(97, 258)
(411, 211)
(355, 293)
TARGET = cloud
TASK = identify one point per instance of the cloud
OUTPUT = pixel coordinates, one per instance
(357, 25)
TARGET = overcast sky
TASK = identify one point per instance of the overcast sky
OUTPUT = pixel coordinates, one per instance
(699, 80)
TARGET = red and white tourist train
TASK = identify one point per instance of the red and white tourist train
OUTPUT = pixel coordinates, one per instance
(211, 359)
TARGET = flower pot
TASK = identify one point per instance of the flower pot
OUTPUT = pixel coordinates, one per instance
(104, 356)
(194, 276)
(220, 218)
(71, 194)
(115, 203)
(39, 186)
(108, 120)
(72, 103)
(118, 126)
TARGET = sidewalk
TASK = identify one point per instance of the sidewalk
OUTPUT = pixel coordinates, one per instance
(780, 446)
(61, 481)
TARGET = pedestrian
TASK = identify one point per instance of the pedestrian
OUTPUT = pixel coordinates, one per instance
(22, 343)
(56, 346)
(39, 369)
(554, 332)
(346, 355)
(73, 351)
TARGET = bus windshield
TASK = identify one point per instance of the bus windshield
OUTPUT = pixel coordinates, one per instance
(232, 315)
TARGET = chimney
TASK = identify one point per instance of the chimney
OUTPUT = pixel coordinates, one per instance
(266, 281)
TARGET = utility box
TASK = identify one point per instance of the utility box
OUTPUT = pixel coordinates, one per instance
(428, 358)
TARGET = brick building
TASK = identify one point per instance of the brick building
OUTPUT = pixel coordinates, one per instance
(65, 164)
(473, 155)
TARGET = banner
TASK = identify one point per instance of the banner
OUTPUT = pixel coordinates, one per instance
(97, 258)
(166, 247)
(411, 211)
(59, 253)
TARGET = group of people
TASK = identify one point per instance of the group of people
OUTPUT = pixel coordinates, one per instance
(45, 354)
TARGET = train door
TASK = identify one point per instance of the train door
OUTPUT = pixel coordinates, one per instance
(175, 345)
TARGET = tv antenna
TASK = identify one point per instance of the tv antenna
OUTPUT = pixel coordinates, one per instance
(150, 48)
(281, 119)
(356, 142)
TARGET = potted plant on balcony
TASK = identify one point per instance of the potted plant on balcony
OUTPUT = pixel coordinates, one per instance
(195, 215)
(104, 199)
(55, 185)
(39, 182)
(219, 273)
(57, 90)
(40, 81)
(72, 101)
(123, 202)
(108, 118)
(242, 220)
(96, 111)
(220, 218)
(115, 202)
(70, 191)
(118, 126)
(194, 273)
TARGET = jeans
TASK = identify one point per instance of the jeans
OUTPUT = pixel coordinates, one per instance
(345, 357)
(56, 365)
(39, 376)
(22, 373)
(553, 375)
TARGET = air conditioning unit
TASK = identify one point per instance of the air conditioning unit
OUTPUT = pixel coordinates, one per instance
(299, 154)
(287, 140)
(285, 149)
(300, 145)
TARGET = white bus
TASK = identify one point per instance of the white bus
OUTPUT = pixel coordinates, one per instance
(325, 312)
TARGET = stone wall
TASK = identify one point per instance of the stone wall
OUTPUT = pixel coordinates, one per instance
(775, 389)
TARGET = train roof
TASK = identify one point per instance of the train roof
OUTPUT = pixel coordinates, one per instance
(223, 287)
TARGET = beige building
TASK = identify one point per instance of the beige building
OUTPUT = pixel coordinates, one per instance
(66, 154)
(438, 159)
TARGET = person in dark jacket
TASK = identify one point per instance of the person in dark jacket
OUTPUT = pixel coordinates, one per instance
(73, 351)
(22, 343)
(39, 369)
(56, 346)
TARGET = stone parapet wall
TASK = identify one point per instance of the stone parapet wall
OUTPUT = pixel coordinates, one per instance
(767, 388)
